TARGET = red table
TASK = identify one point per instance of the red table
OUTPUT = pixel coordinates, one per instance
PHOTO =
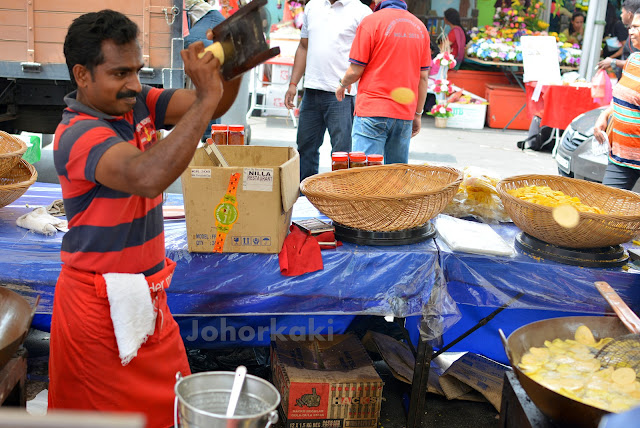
(560, 104)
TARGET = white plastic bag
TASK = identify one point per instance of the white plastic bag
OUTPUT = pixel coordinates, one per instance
(471, 237)
(600, 149)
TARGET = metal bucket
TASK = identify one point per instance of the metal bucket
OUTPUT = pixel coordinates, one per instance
(202, 399)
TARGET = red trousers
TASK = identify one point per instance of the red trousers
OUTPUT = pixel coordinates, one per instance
(85, 371)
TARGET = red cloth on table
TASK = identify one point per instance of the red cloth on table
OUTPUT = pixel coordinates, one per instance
(301, 252)
(560, 104)
(85, 370)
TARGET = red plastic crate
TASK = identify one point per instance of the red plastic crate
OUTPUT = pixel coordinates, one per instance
(504, 103)
(474, 81)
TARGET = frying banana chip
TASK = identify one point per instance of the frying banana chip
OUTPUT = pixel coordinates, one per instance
(569, 367)
(583, 335)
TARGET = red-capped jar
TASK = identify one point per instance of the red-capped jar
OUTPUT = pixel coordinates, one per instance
(357, 159)
(339, 160)
(375, 159)
(219, 134)
(236, 135)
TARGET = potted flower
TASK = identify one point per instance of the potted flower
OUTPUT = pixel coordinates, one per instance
(441, 112)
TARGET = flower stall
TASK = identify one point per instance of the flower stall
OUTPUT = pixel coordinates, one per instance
(500, 43)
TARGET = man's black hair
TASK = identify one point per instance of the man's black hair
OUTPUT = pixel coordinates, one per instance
(631, 6)
(83, 43)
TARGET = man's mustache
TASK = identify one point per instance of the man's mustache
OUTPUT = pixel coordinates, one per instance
(126, 94)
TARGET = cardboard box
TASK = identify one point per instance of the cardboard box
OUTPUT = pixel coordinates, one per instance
(274, 101)
(268, 184)
(504, 103)
(467, 116)
(326, 383)
(281, 71)
(287, 45)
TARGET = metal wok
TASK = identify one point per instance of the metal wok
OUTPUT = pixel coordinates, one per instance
(563, 410)
(15, 320)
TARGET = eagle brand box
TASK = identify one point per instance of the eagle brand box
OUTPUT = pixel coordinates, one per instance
(243, 208)
(328, 382)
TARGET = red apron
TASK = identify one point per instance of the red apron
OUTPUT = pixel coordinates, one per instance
(85, 371)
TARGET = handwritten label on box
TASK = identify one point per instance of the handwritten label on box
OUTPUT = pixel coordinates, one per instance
(200, 172)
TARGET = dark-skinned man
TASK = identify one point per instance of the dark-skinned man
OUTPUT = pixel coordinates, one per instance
(112, 171)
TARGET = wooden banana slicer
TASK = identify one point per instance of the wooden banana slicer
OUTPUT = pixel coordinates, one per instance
(239, 42)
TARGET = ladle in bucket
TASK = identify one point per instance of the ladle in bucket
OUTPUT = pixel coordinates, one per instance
(202, 401)
(238, 381)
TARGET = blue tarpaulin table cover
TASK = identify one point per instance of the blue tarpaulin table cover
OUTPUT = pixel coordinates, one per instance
(451, 290)
(356, 279)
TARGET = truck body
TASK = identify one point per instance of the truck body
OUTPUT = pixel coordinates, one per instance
(33, 74)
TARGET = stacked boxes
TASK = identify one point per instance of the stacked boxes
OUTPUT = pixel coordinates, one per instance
(327, 382)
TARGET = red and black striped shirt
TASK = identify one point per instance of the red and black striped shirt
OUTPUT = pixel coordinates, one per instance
(109, 230)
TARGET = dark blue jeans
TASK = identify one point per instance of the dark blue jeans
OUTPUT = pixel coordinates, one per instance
(383, 136)
(321, 111)
(621, 177)
(199, 30)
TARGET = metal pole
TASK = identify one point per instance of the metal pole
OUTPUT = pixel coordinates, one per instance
(594, 29)
(596, 41)
(546, 12)
(587, 38)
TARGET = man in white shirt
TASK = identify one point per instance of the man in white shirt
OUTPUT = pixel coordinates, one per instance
(322, 57)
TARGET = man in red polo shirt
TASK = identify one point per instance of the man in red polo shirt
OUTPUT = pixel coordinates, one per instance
(391, 57)
(113, 170)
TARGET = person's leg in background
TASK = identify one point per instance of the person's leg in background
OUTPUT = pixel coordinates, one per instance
(396, 150)
(369, 135)
(621, 177)
(198, 30)
(534, 129)
(311, 129)
(338, 117)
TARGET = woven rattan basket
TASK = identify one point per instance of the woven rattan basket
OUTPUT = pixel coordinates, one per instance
(16, 182)
(383, 198)
(621, 224)
(11, 150)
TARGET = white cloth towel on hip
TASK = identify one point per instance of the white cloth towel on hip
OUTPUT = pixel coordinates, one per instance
(132, 312)
(39, 220)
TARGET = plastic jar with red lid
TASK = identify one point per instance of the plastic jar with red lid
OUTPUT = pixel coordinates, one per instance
(375, 159)
(357, 159)
(219, 134)
(236, 135)
(339, 160)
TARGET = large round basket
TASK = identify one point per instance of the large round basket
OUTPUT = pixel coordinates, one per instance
(385, 197)
(11, 150)
(620, 224)
(16, 182)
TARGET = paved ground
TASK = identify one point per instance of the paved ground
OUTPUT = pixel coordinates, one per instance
(492, 149)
